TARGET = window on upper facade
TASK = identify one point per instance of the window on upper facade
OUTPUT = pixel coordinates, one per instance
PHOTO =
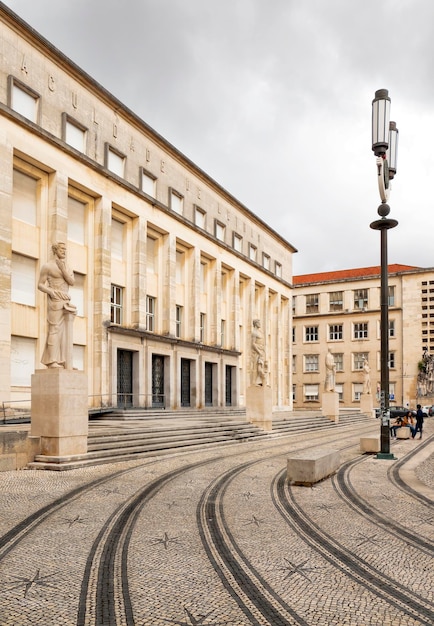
(74, 133)
(294, 363)
(117, 239)
(293, 334)
(116, 304)
(360, 299)
(392, 332)
(278, 269)
(391, 295)
(294, 390)
(23, 100)
(294, 304)
(76, 291)
(336, 332)
(180, 267)
(148, 183)
(392, 360)
(358, 359)
(311, 362)
(311, 333)
(339, 361)
(22, 360)
(25, 198)
(223, 333)
(311, 393)
(357, 391)
(253, 251)
(115, 161)
(150, 313)
(76, 224)
(265, 261)
(339, 388)
(336, 301)
(238, 243)
(312, 303)
(151, 255)
(199, 217)
(178, 321)
(23, 280)
(202, 327)
(176, 202)
(360, 330)
(219, 230)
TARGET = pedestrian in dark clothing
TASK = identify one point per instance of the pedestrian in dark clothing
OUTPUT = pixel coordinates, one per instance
(419, 422)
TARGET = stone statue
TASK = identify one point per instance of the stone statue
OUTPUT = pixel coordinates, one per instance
(258, 354)
(366, 377)
(330, 379)
(54, 280)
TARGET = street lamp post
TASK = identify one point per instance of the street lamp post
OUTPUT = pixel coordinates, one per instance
(384, 145)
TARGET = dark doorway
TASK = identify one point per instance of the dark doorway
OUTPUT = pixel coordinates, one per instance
(228, 394)
(158, 400)
(125, 378)
(208, 383)
(185, 382)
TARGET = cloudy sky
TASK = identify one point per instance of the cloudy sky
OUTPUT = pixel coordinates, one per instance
(272, 98)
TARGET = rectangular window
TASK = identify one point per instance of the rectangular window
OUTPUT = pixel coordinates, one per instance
(223, 333)
(311, 363)
(76, 220)
(23, 100)
(360, 330)
(23, 352)
(24, 198)
(202, 327)
(358, 358)
(238, 243)
(176, 202)
(311, 393)
(76, 291)
(265, 261)
(148, 183)
(180, 262)
(294, 363)
(312, 303)
(117, 239)
(293, 334)
(74, 133)
(178, 321)
(391, 296)
(336, 332)
(392, 362)
(336, 301)
(116, 304)
(150, 313)
(78, 356)
(360, 299)
(294, 304)
(151, 255)
(115, 161)
(219, 230)
(339, 388)
(278, 269)
(311, 333)
(252, 252)
(392, 332)
(339, 361)
(357, 391)
(199, 217)
(23, 280)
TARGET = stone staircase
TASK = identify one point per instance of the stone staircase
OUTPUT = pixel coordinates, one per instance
(133, 434)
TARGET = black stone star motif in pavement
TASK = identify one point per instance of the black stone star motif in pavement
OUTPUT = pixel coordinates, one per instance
(372, 539)
(75, 520)
(165, 541)
(300, 569)
(192, 620)
(31, 583)
(325, 507)
(247, 495)
(110, 491)
(427, 520)
(254, 520)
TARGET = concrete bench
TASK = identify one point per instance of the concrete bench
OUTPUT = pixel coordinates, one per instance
(403, 432)
(370, 444)
(310, 466)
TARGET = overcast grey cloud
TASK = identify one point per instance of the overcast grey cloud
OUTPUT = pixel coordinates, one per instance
(272, 98)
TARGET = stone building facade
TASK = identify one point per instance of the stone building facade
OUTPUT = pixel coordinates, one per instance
(340, 311)
(170, 269)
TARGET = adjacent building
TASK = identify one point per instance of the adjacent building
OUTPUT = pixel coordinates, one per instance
(340, 311)
(170, 269)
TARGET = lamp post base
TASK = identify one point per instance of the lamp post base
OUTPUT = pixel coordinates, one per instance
(386, 456)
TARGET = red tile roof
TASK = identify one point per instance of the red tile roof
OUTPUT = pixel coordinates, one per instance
(357, 272)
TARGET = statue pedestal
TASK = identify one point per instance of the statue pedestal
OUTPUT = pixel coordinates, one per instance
(59, 411)
(259, 406)
(330, 405)
(366, 404)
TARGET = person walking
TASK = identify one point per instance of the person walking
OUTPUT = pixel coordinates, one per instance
(419, 422)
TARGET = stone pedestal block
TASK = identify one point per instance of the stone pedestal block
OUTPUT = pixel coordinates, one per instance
(330, 405)
(370, 444)
(259, 406)
(310, 466)
(59, 411)
(366, 404)
(403, 432)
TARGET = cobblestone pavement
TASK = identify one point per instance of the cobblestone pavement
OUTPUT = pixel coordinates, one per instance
(218, 537)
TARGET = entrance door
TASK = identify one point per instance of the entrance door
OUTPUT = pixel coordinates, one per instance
(125, 378)
(228, 394)
(208, 384)
(158, 381)
(185, 382)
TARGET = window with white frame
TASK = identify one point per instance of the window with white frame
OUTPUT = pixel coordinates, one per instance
(148, 183)
(238, 242)
(392, 361)
(23, 100)
(117, 239)
(336, 300)
(265, 261)
(74, 133)
(311, 393)
(312, 303)
(358, 358)
(23, 280)
(360, 299)
(360, 330)
(116, 302)
(202, 327)
(339, 361)
(24, 198)
(115, 161)
(219, 230)
(311, 333)
(392, 331)
(23, 353)
(391, 295)
(76, 291)
(311, 362)
(357, 391)
(253, 251)
(150, 313)
(176, 202)
(76, 220)
(199, 217)
(339, 389)
(151, 255)
(180, 265)
(278, 269)
(336, 332)
(178, 321)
